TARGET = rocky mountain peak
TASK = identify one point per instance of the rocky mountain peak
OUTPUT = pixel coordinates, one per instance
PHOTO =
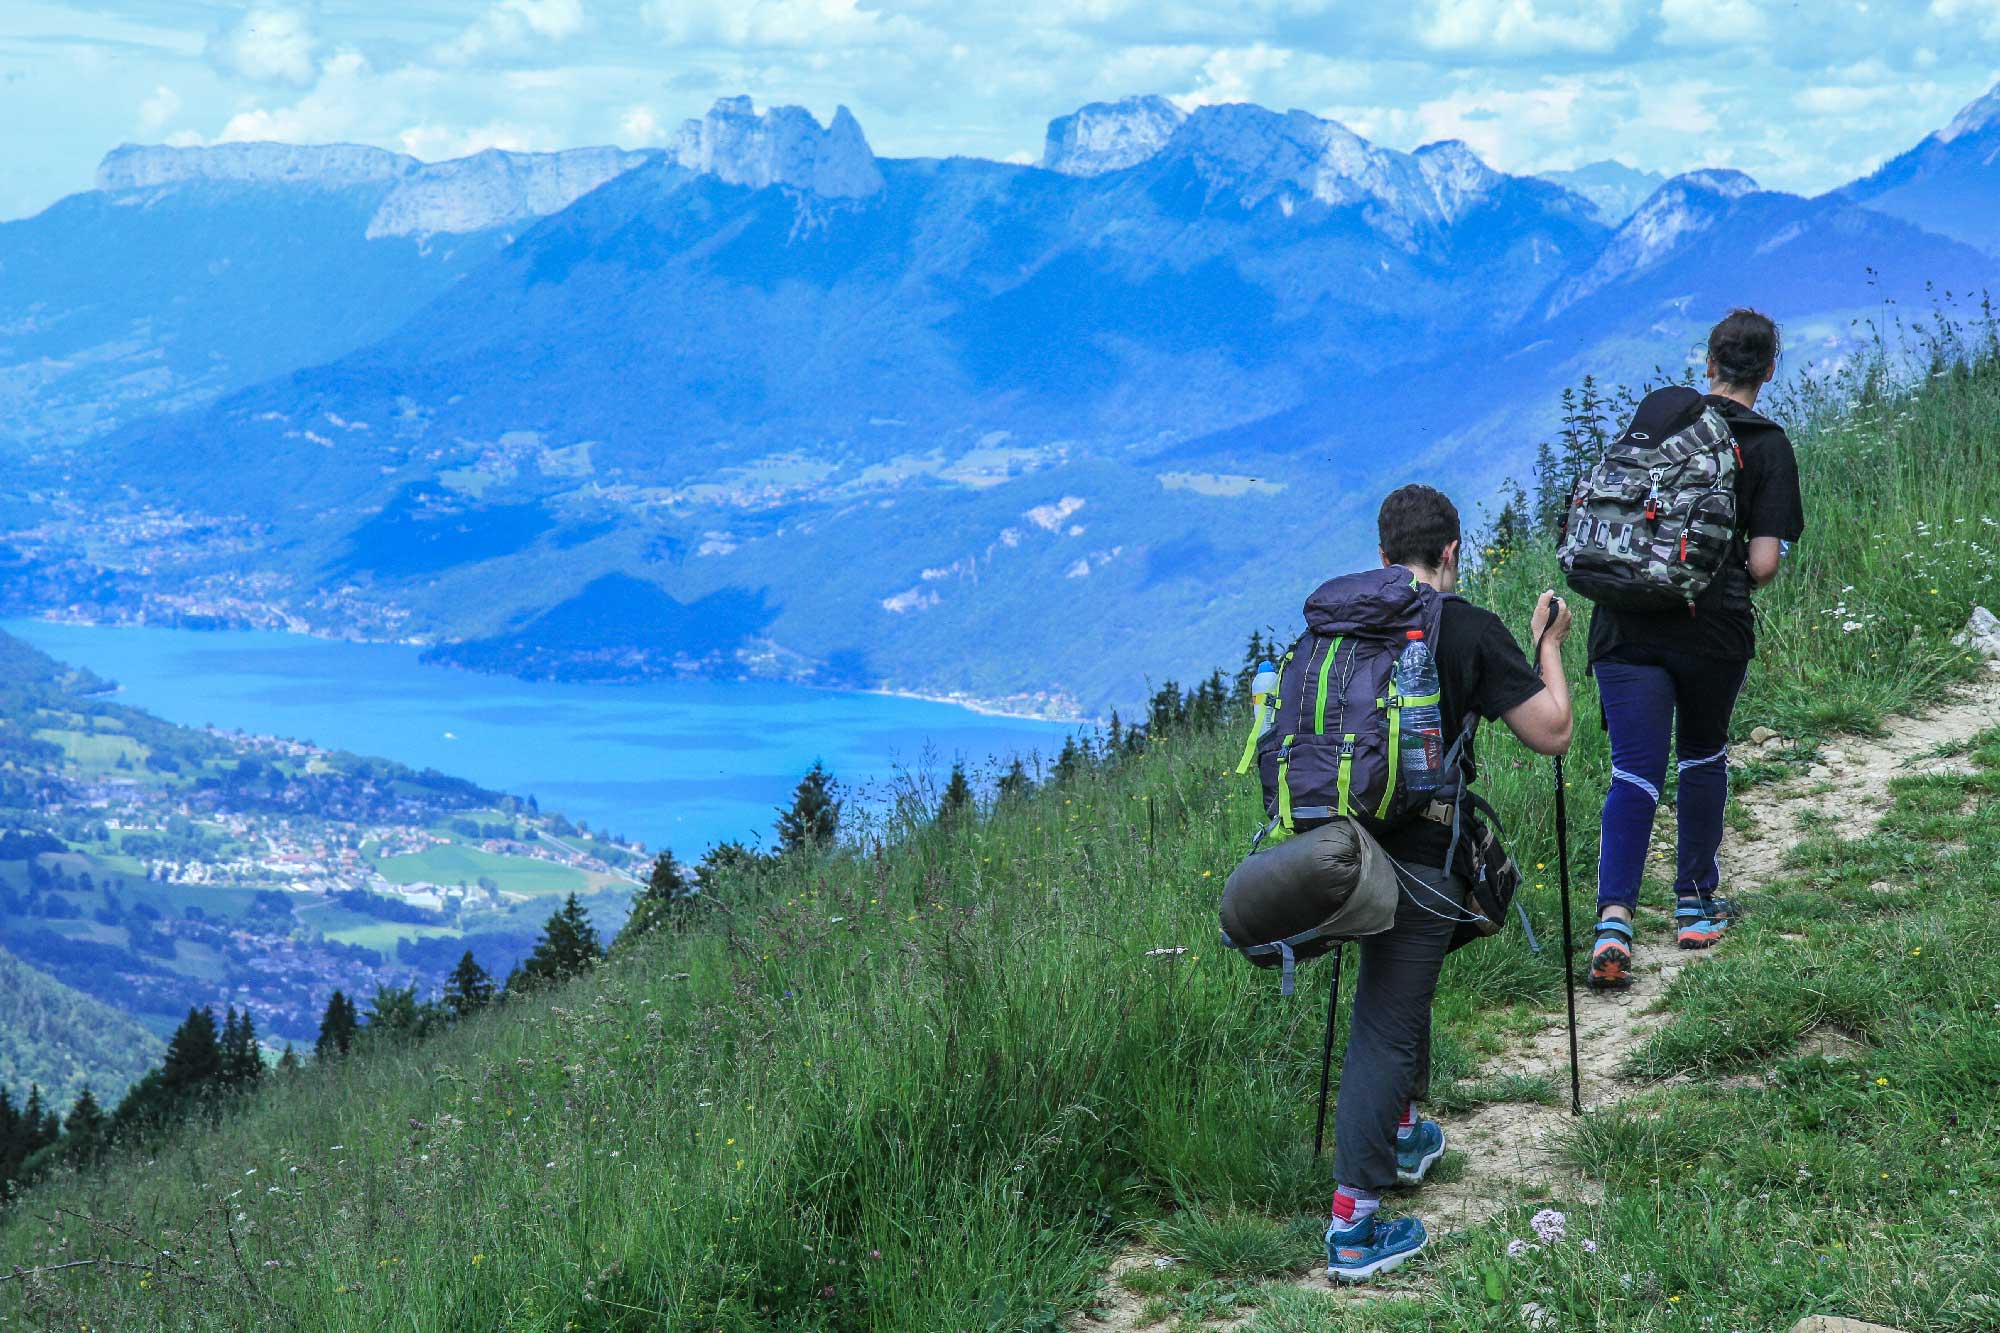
(783, 146)
(1685, 206)
(1981, 113)
(495, 189)
(1110, 136)
(329, 166)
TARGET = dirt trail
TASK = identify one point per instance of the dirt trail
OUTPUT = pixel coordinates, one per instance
(1509, 1148)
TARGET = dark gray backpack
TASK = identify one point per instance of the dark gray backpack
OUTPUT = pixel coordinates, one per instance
(1654, 521)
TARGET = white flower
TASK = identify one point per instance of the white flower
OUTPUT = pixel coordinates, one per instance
(1516, 1248)
(1589, 1245)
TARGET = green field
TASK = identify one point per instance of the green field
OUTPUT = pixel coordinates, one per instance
(460, 864)
(97, 755)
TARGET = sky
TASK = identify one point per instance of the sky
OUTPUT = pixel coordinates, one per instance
(1802, 95)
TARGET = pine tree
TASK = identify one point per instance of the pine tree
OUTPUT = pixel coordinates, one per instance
(814, 819)
(1069, 761)
(568, 947)
(469, 988)
(1014, 782)
(288, 1062)
(722, 861)
(242, 1056)
(193, 1063)
(12, 1150)
(956, 803)
(395, 1014)
(83, 1128)
(664, 902)
(337, 1028)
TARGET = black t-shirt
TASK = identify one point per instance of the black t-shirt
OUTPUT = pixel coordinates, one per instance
(1480, 670)
(1767, 505)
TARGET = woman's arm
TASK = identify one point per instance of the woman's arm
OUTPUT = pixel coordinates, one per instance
(1765, 553)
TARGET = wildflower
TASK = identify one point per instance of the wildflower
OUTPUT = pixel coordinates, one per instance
(1917, 952)
(1516, 1248)
(874, 1254)
(1589, 1245)
(478, 1259)
(1549, 1225)
(1881, 1082)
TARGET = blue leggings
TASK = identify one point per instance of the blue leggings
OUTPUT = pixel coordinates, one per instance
(1646, 700)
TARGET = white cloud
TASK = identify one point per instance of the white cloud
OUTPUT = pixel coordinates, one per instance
(1234, 75)
(640, 127)
(330, 110)
(1524, 26)
(775, 23)
(1700, 22)
(268, 45)
(515, 27)
(1986, 12)
(436, 143)
(158, 109)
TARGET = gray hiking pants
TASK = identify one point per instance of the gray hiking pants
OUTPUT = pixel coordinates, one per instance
(1388, 1062)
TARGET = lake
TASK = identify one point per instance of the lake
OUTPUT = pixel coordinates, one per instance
(679, 764)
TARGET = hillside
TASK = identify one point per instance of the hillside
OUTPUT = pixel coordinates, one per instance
(61, 1040)
(855, 412)
(940, 1084)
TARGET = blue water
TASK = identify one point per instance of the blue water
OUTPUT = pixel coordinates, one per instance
(679, 764)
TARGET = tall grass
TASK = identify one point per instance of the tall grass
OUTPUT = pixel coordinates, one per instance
(930, 1084)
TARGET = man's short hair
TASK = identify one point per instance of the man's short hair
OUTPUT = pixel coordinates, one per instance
(1417, 523)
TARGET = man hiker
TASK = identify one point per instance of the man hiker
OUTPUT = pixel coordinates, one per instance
(1671, 675)
(1380, 1140)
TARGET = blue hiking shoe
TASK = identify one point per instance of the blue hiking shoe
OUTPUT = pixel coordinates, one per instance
(1417, 1154)
(1695, 926)
(1371, 1247)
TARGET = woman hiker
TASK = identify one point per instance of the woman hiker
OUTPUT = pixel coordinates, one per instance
(1669, 675)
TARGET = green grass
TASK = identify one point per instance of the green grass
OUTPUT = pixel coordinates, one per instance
(97, 755)
(457, 863)
(939, 1086)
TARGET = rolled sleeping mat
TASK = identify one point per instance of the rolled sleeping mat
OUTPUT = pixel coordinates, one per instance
(1298, 899)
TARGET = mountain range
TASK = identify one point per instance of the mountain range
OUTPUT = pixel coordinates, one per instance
(764, 402)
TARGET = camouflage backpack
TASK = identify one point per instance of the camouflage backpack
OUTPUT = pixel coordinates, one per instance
(1650, 526)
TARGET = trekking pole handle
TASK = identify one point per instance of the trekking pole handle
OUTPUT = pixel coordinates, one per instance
(1555, 609)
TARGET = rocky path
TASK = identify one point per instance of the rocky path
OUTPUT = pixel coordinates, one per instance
(1509, 1148)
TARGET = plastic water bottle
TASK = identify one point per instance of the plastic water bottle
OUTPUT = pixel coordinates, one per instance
(1422, 756)
(1262, 690)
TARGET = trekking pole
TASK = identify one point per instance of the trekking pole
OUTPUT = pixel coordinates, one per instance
(1562, 875)
(1326, 1055)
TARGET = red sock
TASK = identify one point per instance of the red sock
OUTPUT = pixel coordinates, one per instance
(1352, 1206)
(1408, 1124)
